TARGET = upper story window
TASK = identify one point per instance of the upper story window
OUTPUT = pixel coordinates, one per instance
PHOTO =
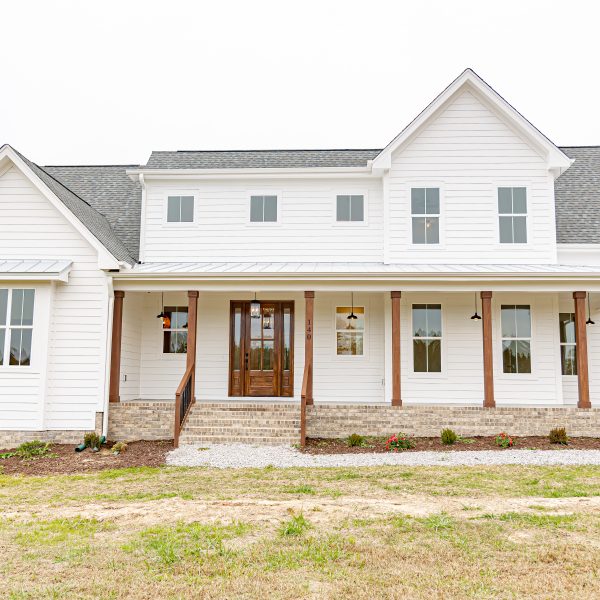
(350, 207)
(263, 209)
(568, 347)
(512, 212)
(425, 210)
(350, 330)
(427, 338)
(16, 326)
(516, 338)
(175, 322)
(180, 209)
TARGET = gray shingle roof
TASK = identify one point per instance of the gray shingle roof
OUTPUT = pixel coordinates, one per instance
(96, 222)
(259, 159)
(577, 197)
(112, 193)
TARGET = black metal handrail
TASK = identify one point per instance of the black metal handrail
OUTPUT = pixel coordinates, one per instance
(184, 398)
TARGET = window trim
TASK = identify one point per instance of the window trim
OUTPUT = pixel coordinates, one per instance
(263, 192)
(350, 357)
(528, 215)
(501, 338)
(180, 224)
(441, 245)
(561, 344)
(350, 192)
(426, 374)
(163, 330)
(7, 328)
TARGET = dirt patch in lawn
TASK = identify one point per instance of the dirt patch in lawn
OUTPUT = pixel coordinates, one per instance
(66, 461)
(373, 444)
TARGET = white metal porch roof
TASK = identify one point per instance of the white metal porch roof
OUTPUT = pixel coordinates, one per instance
(35, 269)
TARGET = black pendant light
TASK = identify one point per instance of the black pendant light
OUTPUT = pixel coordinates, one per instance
(351, 316)
(589, 319)
(162, 315)
(476, 317)
(255, 308)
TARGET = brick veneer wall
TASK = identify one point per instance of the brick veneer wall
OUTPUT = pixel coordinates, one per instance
(340, 420)
(141, 420)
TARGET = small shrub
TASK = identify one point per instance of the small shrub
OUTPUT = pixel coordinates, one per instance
(294, 526)
(504, 440)
(356, 441)
(122, 446)
(30, 451)
(399, 442)
(558, 436)
(91, 440)
(448, 437)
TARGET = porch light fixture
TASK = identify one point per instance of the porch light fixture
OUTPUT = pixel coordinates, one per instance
(351, 316)
(476, 317)
(267, 321)
(162, 315)
(255, 308)
(589, 319)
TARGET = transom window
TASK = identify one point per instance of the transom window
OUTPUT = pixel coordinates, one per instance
(512, 211)
(180, 209)
(516, 338)
(427, 338)
(425, 210)
(175, 322)
(350, 330)
(568, 347)
(263, 209)
(350, 208)
(16, 326)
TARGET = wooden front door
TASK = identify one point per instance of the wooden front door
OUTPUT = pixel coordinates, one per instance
(261, 354)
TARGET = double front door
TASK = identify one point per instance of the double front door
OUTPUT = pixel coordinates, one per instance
(261, 354)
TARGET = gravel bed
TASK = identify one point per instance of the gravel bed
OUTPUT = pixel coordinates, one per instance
(243, 455)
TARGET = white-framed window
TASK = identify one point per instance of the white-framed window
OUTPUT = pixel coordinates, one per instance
(263, 208)
(350, 330)
(516, 338)
(175, 322)
(568, 345)
(16, 326)
(427, 338)
(180, 209)
(425, 212)
(512, 215)
(350, 208)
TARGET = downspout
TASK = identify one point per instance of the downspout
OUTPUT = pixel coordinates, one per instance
(107, 353)
(143, 220)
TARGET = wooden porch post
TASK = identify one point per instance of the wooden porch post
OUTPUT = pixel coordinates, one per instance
(191, 341)
(396, 397)
(308, 344)
(582, 351)
(115, 354)
(488, 351)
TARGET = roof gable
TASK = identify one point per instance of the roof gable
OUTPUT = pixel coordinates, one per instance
(468, 80)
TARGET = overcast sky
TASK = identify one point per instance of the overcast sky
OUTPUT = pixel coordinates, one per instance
(106, 82)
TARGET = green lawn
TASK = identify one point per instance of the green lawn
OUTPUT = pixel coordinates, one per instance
(386, 532)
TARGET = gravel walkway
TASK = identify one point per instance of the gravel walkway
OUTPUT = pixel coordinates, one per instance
(243, 455)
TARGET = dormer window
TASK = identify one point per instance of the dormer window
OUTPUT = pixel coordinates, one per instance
(180, 209)
(263, 209)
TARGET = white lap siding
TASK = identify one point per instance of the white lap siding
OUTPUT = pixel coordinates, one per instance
(74, 355)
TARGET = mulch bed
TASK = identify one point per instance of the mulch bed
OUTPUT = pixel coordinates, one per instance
(67, 461)
(340, 446)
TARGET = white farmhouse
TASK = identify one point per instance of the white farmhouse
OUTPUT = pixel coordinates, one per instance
(451, 278)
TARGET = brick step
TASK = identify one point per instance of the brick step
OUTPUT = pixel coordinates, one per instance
(258, 441)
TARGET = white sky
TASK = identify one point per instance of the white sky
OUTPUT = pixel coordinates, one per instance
(106, 82)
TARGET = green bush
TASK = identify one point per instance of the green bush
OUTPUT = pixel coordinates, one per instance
(122, 446)
(30, 450)
(91, 440)
(558, 436)
(448, 437)
(355, 440)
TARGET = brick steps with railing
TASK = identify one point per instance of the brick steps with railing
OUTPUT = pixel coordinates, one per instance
(244, 422)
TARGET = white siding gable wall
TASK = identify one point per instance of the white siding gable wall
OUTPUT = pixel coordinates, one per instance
(468, 152)
(70, 320)
(306, 228)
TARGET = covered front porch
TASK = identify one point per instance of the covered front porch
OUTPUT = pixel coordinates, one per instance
(415, 347)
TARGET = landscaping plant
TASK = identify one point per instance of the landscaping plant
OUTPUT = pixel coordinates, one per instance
(558, 436)
(356, 441)
(91, 440)
(504, 440)
(399, 442)
(30, 450)
(119, 447)
(449, 437)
